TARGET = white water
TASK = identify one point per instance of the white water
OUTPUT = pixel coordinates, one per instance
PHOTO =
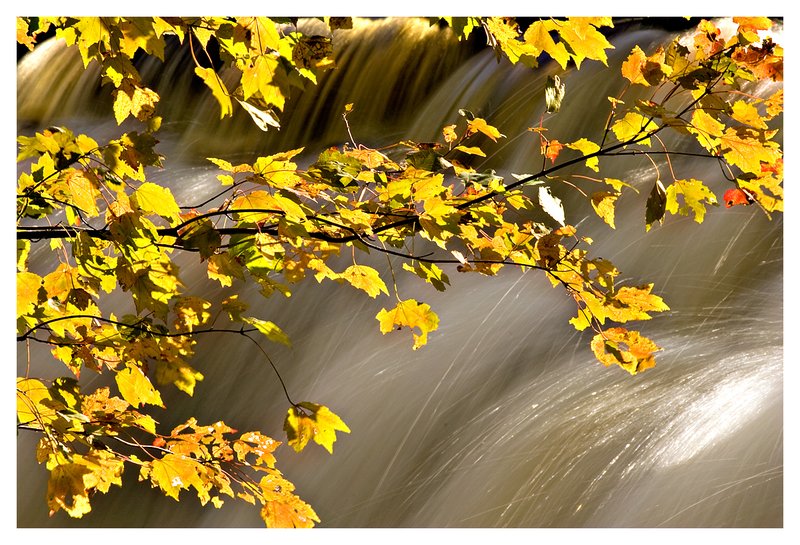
(504, 419)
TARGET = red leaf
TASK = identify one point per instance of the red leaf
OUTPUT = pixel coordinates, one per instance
(733, 197)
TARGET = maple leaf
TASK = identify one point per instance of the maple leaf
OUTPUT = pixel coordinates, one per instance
(706, 129)
(218, 89)
(644, 70)
(695, 196)
(479, 125)
(155, 199)
(745, 150)
(66, 490)
(538, 36)
(365, 278)
(628, 349)
(136, 388)
(632, 127)
(551, 149)
(736, 196)
(176, 472)
(583, 38)
(319, 424)
(747, 113)
(412, 314)
(28, 285)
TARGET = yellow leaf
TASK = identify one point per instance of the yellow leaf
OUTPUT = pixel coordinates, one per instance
(633, 65)
(587, 147)
(538, 35)
(28, 285)
(480, 125)
(136, 388)
(706, 129)
(365, 278)
(155, 199)
(133, 99)
(412, 314)
(632, 127)
(603, 203)
(584, 39)
(628, 349)
(83, 192)
(31, 411)
(746, 113)
(320, 424)
(634, 303)
(695, 196)
(175, 472)
(471, 150)
(191, 312)
(218, 89)
(746, 151)
(66, 490)
(269, 329)
(639, 68)
(58, 283)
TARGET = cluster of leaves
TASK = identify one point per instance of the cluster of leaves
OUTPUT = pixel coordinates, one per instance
(274, 224)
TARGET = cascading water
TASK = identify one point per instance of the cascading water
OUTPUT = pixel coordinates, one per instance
(504, 418)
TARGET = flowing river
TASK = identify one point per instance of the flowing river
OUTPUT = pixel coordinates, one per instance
(504, 419)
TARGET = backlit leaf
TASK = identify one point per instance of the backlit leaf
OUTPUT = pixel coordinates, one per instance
(603, 203)
(480, 125)
(269, 329)
(746, 113)
(584, 40)
(319, 424)
(538, 35)
(365, 278)
(628, 349)
(218, 89)
(552, 205)
(695, 196)
(587, 147)
(28, 285)
(410, 313)
(632, 127)
(136, 388)
(154, 199)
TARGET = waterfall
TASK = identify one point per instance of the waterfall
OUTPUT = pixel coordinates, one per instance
(504, 418)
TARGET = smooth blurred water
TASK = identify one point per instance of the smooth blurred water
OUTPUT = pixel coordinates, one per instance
(504, 418)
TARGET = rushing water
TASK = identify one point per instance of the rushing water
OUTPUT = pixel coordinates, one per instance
(504, 418)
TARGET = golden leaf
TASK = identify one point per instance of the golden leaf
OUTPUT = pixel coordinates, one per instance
(412, 314)
(136, 388)
(628, 349)
(695, 196)
(320, 424)
(365, 278)
(603, 203)
(218, 89)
